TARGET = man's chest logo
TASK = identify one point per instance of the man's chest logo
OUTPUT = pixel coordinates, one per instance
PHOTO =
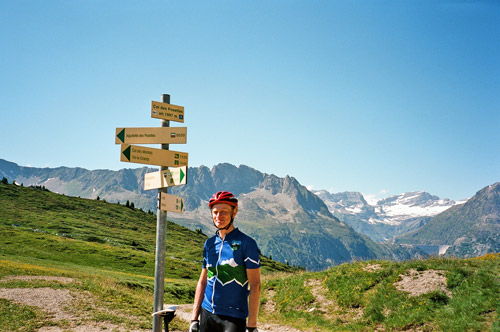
(235, 245)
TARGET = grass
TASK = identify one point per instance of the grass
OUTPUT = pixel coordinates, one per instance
(15, 317)
(108, 251)
(356, 299)
(103, 297)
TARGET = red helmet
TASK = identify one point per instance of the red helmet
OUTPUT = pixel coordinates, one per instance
(223, 197)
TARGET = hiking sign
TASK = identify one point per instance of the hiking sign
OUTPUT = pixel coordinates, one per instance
(152, 156)
(167, 111)
(166, 178)
(155, 135)
(171, 203)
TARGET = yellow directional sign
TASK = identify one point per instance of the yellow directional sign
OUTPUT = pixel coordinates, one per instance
(171, 203)
(160, 135)
(167, 178)
(167, 111)
(151, 156)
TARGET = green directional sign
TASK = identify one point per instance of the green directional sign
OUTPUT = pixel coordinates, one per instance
(166, 178)
(171, 203)
(152, 156)
(155, 135)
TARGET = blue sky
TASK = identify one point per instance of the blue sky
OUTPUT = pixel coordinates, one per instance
(381, 97)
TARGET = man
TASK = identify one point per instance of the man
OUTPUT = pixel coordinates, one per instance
(231, 264)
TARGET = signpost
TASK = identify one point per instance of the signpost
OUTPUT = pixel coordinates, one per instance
(152, 156)
(161, 180)
(171, 203)
(167, 178)
(156, 135)
(167, 111)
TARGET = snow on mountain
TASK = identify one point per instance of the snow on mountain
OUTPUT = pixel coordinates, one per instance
(382, 219)
(391, 210)
(396, 209)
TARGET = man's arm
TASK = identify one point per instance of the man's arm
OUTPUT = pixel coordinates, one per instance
(199, 294)
(254, 297)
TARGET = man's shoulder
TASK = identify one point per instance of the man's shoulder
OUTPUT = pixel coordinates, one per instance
(245, 241)
(211, 240)
(239, 234)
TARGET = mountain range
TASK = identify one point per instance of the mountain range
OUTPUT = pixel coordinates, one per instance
(290, 223)
(465, 230)
(386, 218)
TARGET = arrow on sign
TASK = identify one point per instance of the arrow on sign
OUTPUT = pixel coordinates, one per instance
(166, 178)
(172, 174)
(126, 153)
(154, 135)
(151, 156)
(121, 135)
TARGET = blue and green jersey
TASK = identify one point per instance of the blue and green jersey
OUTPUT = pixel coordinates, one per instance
(226, 263)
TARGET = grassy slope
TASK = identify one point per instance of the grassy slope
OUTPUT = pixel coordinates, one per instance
(352, 297)
(109, 250)
(39, 224)
(43, 225)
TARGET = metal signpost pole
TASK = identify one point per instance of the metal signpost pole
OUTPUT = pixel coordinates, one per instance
(161, 234)
(160, 180)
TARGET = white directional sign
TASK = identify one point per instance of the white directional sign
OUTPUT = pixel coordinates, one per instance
(155, 135)
(167, 111)
(171, 203)
(151, 156)
(167, 178)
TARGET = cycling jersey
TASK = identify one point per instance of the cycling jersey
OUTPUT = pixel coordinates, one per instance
(226, 262)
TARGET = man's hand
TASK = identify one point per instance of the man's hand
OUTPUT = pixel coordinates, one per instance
(195, 326)
(252, 329)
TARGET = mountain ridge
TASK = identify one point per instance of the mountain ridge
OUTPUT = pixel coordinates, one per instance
(291, 224)
(467, 230)
(388, 217)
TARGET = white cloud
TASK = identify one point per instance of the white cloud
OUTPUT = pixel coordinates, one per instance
(231, 262)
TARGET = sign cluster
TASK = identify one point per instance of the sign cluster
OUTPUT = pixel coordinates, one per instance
(177, 161)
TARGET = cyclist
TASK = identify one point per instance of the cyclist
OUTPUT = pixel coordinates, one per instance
(231, 264)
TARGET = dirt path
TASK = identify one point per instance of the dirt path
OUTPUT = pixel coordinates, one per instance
(60, 304)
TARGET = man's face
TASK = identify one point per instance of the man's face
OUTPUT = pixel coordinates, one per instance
(221, 214)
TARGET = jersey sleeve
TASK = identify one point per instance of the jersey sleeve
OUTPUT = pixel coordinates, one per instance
(205, 260)
(252, 257)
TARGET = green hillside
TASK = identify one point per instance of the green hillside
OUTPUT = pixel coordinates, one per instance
(72, 264)
(39, 224)
(99, 242)
(426, 295)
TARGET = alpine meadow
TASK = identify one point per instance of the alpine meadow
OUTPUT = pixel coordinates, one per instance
(75, 264)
